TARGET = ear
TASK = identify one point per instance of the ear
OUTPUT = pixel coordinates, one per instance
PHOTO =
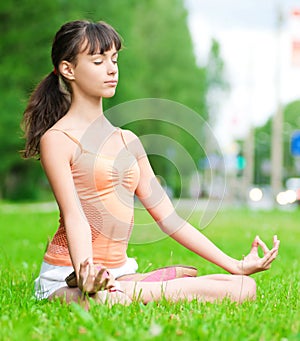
(66, 69)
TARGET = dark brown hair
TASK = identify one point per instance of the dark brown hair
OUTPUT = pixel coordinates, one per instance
(52, 97)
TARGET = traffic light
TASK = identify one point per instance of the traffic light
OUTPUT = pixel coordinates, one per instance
(240, 164)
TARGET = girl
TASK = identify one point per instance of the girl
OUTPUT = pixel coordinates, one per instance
(95, 169)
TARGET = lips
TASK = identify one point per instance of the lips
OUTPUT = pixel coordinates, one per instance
(111, 82)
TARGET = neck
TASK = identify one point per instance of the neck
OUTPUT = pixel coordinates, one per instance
(86, 110)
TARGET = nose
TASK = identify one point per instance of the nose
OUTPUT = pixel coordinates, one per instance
(112, 68)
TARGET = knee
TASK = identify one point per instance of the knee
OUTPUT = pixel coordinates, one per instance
(249, 288)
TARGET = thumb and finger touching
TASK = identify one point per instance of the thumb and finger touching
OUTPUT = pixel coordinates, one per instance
(264, 262)
(93, 278)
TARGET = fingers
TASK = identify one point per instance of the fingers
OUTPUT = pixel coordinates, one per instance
(274, 250)
(276, 242)
(111, 281)
(91, 269)
(271, 255)
(108, 280)
(101, 279)
(83, 272)
(83, 267)
(87, 277)
(269, 258)
(254, 246)
(93, 278)
(90, 278)
(262, 245)
(254, 263)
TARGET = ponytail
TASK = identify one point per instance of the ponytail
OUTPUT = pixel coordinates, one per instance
(48, 103)
(52, 98)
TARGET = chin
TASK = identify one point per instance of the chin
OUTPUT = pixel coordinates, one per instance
(108, 95)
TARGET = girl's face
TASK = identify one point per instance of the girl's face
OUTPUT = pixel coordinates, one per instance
(95, 75)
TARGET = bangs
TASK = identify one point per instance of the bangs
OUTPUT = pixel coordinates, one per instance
(101, 37)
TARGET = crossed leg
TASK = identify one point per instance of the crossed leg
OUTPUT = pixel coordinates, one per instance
(68, 295)
(205, 288)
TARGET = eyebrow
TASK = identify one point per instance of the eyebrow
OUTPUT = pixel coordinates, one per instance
(104, 53)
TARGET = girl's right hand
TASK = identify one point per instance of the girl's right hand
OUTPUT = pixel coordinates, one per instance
(93, 278)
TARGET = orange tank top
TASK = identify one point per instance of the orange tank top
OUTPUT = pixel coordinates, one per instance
(105, 186)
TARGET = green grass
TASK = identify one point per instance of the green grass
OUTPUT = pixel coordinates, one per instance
(275, 315)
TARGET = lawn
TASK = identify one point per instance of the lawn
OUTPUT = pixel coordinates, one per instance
(275, 315)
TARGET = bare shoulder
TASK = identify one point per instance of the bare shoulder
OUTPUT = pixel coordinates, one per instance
(55, 143)
(52, 137)
(129, 135)
(134, 144)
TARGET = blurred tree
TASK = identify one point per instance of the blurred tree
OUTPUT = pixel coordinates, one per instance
(263, 144)
(216, 82)
(24, 48)
(217, 88)
(157, 61)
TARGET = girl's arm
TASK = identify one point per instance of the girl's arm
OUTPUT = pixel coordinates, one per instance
(158, 204)
(56, 155)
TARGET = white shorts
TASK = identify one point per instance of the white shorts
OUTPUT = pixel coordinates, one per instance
(52, 277)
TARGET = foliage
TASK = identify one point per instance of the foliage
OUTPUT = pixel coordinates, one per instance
(263, 144)
(273, 316)
(217, 85)
(157, 61)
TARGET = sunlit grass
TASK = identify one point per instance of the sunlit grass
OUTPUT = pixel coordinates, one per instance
(273, 316)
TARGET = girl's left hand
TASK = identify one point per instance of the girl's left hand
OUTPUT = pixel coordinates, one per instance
(93, 278)
(253, 263)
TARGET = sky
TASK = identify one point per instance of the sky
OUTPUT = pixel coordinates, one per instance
(257, 56)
